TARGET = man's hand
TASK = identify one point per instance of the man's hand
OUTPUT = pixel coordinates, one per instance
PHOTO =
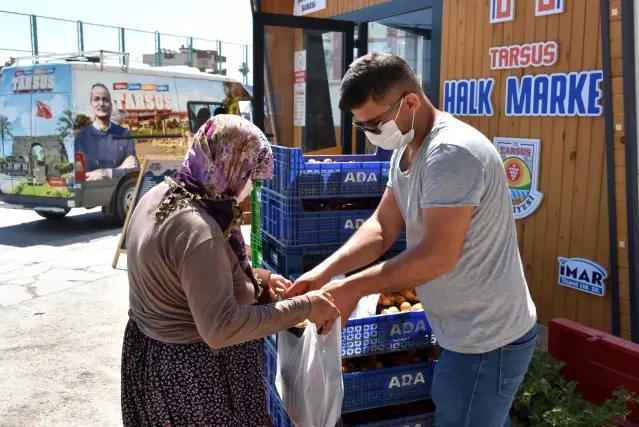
(307, 282)
(344, 296)
(129, 163)
(95, 175)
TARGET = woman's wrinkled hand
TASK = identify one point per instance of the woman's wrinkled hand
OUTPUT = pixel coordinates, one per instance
(324, 312)
(277, 286)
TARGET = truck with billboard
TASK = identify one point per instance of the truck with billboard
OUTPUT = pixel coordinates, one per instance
(75, 128)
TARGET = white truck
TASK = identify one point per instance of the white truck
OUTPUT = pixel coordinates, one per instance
(75, 128)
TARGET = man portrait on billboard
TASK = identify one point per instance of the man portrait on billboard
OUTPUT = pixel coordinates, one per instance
(109, 150)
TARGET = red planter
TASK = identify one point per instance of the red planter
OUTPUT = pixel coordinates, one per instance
(599, 361)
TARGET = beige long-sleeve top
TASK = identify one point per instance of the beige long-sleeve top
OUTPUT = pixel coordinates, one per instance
(186, 284)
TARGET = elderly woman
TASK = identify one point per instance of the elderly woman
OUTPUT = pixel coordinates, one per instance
(192, 353)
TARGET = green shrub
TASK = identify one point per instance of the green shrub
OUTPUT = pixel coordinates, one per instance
(63, 167)
(546, 399)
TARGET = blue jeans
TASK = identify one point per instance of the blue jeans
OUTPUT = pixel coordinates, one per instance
(477, 390)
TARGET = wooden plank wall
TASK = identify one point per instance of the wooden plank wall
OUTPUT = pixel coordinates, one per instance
(614, 15)
(340, 7)
(573, 218)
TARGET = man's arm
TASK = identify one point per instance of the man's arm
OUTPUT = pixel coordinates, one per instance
(130, 148)
(452, 185)
(130, 162)
(368, 243)
(434, 256)
(371, 240)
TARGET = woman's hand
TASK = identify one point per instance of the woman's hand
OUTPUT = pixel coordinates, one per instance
(324, 312)
(277, 286)
(272, 283)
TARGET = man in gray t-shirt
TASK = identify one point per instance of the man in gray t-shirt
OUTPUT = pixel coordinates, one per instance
(448, 188)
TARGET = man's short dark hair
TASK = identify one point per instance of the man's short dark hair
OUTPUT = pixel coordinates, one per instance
(99, 85)
(375, 76)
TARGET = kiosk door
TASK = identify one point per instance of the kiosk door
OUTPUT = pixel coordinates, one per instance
(298, 66)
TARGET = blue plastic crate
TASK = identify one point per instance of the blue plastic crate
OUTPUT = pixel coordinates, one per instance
(296, 260)
(422, 420)
(388, 386)
(386, 334)
(346, 175)
(270, 362)
(292, 223)
(276, 408)
(272, 339)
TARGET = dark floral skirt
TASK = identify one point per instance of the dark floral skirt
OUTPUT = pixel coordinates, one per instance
(171, 385)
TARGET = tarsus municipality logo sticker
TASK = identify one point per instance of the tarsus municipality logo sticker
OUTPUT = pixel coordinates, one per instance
(583, 275)
(521, 159)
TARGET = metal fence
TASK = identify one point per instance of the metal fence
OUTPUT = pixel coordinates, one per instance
(30, 35)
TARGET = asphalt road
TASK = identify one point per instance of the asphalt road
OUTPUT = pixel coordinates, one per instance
(63, 310)
(62, 315)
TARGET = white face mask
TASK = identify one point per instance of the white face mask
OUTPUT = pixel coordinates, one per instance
(245, 191)
(391, 138)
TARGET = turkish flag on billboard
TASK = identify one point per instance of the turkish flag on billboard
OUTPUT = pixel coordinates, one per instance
(43, 110)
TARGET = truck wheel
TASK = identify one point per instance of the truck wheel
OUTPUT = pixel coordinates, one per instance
(53, 215)
(124, 199)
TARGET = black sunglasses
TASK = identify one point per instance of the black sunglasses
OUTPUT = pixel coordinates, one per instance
(376, 129)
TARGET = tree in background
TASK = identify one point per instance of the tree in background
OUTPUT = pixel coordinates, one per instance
(81, 121)
(68, 126)
(5, 131)
(65, 124)
(65, 132)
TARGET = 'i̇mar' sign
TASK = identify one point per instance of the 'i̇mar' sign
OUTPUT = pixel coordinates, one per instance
(582, 275)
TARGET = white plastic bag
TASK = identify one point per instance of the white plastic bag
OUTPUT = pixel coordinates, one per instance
(309, 376)
(366, 307)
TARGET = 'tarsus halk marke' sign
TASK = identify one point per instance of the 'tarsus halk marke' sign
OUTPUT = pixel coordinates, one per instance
(557, 94)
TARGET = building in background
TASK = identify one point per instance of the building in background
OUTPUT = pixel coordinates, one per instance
(204, 60)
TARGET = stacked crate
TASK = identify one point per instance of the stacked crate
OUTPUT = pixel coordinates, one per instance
(308, 210)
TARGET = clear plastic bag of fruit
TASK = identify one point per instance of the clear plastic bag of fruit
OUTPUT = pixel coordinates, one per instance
(309, 376)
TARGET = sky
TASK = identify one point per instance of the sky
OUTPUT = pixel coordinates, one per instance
(227, 20)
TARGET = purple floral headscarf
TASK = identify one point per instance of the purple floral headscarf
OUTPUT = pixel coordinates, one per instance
(225, 153)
